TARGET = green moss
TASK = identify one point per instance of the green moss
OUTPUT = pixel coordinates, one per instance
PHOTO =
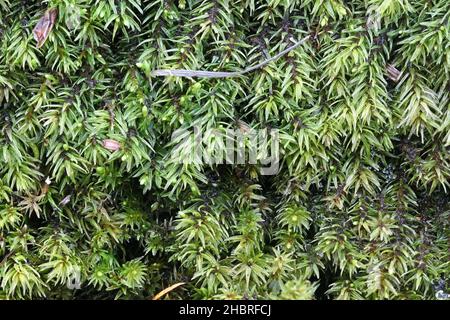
(95, 200)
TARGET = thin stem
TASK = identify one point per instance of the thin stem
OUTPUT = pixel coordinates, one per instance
(224, 74)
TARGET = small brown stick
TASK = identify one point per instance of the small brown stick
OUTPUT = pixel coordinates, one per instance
(224, 74)
(167, 290)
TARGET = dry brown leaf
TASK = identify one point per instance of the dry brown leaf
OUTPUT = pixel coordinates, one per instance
(44, 26)
(110, 144)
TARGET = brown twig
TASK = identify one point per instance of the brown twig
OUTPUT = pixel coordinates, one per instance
(167, 290)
